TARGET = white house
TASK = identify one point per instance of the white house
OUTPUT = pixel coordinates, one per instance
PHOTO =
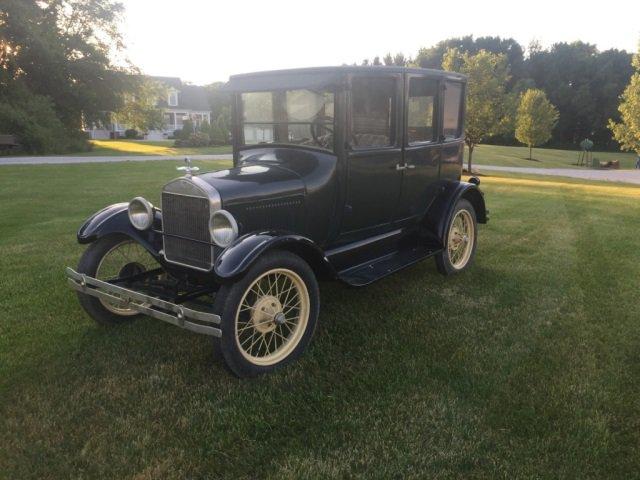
(184, 101)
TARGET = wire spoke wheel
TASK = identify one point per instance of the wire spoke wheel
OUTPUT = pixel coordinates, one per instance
(124, 259)
(461, 239)
(272, 317)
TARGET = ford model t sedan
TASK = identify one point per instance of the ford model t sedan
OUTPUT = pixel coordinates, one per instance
(346, 173)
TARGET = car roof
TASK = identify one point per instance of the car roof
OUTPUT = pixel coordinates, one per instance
(321, 76)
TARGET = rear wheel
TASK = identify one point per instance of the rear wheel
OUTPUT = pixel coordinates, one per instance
(460, 244)
(107, 258)
(269, 315)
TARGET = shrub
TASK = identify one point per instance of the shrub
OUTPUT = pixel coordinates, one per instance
(131, 133)
(33, 120)
(198, 139)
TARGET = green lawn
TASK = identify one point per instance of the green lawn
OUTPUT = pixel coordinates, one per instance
(543, 157)
(138, 147)
(524, 367)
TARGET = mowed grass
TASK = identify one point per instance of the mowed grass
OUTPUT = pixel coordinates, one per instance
(542, 157)
(524, 367)
(139, 147)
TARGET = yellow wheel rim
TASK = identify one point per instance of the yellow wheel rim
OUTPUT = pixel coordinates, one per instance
(112, 264)
(460, 240)
(272, 317)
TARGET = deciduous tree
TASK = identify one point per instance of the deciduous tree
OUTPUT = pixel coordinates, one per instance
(62, 50)
(627, 131)
(140, 109)
(535, 119)
(488, 75)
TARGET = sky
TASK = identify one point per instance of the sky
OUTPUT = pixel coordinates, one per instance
(206, 41)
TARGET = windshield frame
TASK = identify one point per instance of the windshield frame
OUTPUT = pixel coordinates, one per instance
(240, 122)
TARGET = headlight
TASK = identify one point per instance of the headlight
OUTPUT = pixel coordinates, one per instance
(140, 213)
(223, 228)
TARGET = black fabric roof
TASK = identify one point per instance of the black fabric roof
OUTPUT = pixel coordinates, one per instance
(318, 77)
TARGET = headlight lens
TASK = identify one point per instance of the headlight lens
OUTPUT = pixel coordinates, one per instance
(223, 228)
(140, 213)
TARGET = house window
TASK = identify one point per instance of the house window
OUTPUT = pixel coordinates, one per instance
(169, 119)
(173, 99)
(180, 119)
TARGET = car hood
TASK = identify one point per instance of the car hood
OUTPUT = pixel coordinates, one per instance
(254, 183)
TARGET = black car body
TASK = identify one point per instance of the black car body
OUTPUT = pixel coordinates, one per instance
(356, 171)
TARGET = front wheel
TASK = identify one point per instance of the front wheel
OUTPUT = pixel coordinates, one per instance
(269, 315)
(108, 258)
(460, 245)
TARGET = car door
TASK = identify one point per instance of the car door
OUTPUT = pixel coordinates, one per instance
(422, 149)
(373, 154)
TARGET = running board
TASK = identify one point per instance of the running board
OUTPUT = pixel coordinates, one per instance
(378, 268)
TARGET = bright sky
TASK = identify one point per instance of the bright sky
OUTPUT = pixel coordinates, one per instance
(206, 41)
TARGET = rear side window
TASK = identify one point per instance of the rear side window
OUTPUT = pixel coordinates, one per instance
(372, 112)
(421, 109)
(452, 121)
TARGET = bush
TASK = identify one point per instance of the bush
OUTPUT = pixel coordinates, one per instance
(33, 120)
(131, 133)
(198, 139)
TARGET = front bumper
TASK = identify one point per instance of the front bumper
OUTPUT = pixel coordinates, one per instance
(175, 314)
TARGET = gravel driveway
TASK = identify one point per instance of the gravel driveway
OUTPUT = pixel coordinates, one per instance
(626, 176)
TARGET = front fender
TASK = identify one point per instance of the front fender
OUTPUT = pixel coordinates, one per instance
(115, 219)
(439, 214)
(239, 256)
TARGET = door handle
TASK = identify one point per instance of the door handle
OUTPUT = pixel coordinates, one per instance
(405, 166)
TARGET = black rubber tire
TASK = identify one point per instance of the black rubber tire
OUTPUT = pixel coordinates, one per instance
(88, 265)
(442, 259)
(229, 297)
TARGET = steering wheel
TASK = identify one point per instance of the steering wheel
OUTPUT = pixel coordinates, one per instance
(318, 122)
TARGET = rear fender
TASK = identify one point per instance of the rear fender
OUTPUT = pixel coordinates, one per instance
(439, 215)
(245, 251)
(114, 219)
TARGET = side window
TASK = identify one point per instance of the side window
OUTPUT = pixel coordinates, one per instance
(372, 112)
(452, 101)
(421, 109)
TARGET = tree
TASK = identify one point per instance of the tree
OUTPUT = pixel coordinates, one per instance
(584, 84)
(140, 110)
(220, 103)
(62, 50)
(488, 75)
(432, 57)
(627, 132)
(32, 118)
(536, 119)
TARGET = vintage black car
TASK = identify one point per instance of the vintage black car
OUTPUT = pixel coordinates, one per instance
(346, 173)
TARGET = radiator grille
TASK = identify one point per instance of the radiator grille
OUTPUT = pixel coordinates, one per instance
(188, 252)
(185, 216)
(185, 224)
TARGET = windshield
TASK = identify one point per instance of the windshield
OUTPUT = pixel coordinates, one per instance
(297, 117)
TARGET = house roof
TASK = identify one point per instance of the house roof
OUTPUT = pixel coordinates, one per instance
(190, 97)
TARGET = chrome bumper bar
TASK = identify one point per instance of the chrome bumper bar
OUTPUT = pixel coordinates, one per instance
(172, 313)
